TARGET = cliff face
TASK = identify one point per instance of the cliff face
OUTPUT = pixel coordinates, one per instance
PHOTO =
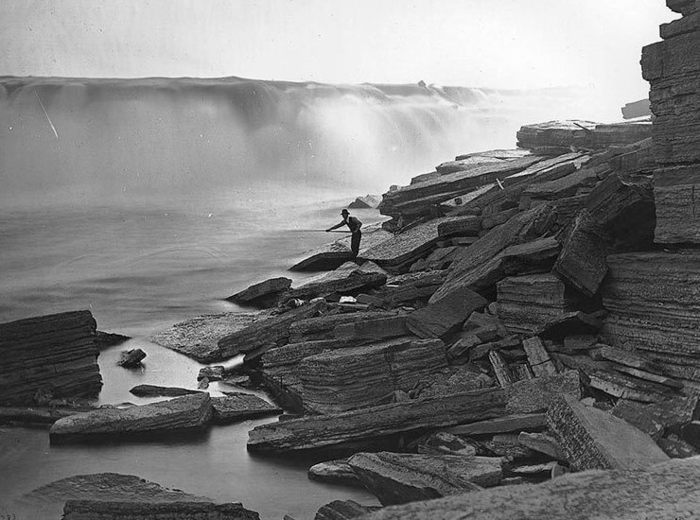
(672, 67)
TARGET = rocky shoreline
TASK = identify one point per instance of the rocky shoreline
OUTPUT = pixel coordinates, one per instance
(526, 321)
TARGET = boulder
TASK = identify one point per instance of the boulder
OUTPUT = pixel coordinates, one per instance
(334, 472)
(555, 137)
(238, 406)
(53, 355)
(441, 318)
(264, 294)
(594, 439)
(197, 337)
(161, 391)
(345, 379)
(373, 423)
(191, 412)
(131, 358)
(397, 478)
(664, 491)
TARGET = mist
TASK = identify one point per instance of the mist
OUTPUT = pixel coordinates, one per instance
(97, 142)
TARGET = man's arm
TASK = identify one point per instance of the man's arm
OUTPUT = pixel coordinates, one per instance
(342, 223)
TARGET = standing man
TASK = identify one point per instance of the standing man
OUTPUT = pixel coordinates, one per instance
(354, 224)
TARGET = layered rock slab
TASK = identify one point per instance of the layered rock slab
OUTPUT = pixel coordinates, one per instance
(54, 355)
(98, 510)
(190, 412)
(439, 319)
(397, 478)
(349, 378)
(376, 422)
(665, 491)
(652, 299)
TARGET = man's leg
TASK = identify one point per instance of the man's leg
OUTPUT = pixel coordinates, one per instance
(355, 243)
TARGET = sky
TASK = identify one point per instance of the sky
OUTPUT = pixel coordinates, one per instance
(478, 43)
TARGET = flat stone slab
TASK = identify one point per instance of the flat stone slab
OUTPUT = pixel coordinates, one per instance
(665, 491)
(535, 395)
(239, 406)
(161, 391)
(397, 478)
(198, 337)
(95, 509)
(438, 319)
(190, 412)
(334, 472)
(319, 431)
(594, 439)
(107, 487)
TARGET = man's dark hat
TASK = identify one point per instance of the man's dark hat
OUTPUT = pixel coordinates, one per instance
(344, 212)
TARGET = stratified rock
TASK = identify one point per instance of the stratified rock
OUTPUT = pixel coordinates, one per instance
(105, 340)
(54, 355)
(664, 491)
(527, 303)
(263, 294)
(98, 510)
(536, 395)
(263, 334)
(619, 134)
(238, 406)
(345, 283)
(161, 391)
(464, 226)
(182, 413)
(342, 510)
(468, 269)
(416, 199)
(334, 472)
(582, 180)
(418, 288)
(131, 358)
(444, 443)
(404, 249)
(657, 418)
(555, 137)
(370, 330)
(376, 422)
(574, 322)
(651, 300)
(439, 319)
(538, 357)
(366, 202)
(672, 69)
(507, 423)
(322, 327)
(594, 439)
(197, 337)
(581, 263)
(397, 478)
(344, 379)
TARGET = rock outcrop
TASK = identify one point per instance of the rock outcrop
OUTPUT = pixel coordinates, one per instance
(99, 510)
(238, 406)
(51, 356)
(673, 70)
(264, 294)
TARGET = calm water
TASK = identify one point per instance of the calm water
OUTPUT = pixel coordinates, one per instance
(139, 269)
